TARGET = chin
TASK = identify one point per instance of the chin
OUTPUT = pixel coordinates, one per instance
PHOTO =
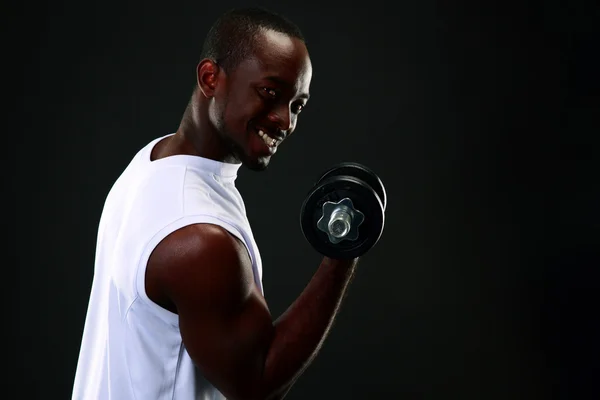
(248, 158)
(258, 165)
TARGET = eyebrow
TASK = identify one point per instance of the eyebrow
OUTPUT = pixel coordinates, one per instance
(283, 82)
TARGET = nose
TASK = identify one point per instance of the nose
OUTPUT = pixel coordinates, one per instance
(282, 116)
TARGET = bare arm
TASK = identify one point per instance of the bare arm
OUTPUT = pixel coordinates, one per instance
(302, 328)
(225, 322)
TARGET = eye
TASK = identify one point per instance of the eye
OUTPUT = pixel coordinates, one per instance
(298, 108)
(270, 92)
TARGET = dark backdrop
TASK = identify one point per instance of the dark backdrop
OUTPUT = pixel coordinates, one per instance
(480, 119)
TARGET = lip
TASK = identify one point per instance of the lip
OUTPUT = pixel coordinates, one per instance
(267, 150)
(271, 134)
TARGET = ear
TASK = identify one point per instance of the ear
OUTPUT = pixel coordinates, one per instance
(207, 73)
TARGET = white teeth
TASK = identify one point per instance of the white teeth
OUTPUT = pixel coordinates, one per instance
(269, 141)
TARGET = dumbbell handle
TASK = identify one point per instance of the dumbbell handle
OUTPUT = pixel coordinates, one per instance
(340, 221)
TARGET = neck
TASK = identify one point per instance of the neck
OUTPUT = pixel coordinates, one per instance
(197, 136)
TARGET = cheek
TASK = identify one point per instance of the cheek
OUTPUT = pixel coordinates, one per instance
(244, 109)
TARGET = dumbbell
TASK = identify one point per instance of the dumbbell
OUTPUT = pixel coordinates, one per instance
(343, 214)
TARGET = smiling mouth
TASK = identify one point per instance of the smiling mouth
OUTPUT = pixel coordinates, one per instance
(269, 141)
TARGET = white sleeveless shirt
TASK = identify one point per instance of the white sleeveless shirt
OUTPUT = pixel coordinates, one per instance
(131, 348)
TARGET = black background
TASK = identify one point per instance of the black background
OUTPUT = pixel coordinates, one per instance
(481, 119)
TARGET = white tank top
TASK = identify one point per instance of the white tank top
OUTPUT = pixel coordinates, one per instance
(131, 348)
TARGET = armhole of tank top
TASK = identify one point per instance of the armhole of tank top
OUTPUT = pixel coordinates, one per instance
(140, 286)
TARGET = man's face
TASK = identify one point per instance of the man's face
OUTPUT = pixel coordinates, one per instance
(257, 105)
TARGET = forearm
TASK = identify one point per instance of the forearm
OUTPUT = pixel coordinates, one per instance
(302, 329)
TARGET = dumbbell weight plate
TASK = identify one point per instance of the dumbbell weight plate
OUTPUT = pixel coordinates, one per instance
(361, 172)
(364, 199)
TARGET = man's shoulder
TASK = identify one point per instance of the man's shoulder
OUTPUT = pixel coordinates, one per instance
(197, 252)
(202, 240)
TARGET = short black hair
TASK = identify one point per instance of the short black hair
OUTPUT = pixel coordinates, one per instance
(230, 39)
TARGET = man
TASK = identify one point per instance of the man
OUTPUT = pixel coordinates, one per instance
(176, 308)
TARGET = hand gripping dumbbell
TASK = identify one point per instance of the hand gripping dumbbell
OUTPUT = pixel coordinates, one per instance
(344, 213)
